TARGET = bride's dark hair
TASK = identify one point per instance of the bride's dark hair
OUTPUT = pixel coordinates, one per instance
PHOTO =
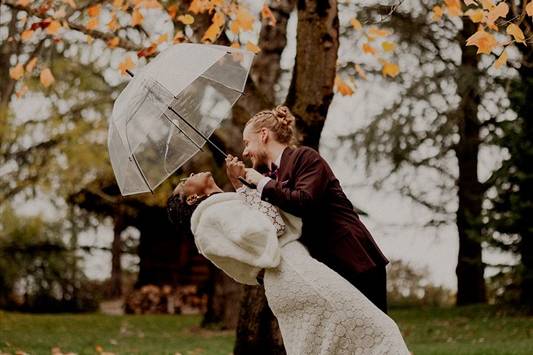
(179, 212)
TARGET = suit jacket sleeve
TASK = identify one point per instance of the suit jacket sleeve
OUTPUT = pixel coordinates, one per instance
(310, 178)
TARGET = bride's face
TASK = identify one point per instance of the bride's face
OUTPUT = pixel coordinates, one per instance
(195, 184)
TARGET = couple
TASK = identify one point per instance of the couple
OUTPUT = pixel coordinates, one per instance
(298, 235)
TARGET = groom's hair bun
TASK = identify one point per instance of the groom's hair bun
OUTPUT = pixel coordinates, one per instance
(279, 120)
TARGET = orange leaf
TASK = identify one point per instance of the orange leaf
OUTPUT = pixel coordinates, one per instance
(368, 49)
(16, 72)
(198, 6)
(343, 88)
(26, 35)
(377, 32)
(113, 42)
(487, 4)
(266, 13)
(529, 8)
(252, 47)
(498, 11)
(502, 60)
(113, 24)
(172, 10)
(94, 10)
(484, 41)
(117, 4)
(356, 24)
(516, 32)
(93, 23)
(136, 17)
(453, 7)
(390, 69)
(23, 2)
(186, 19)
(126, 64)
(235, 45)
(46, 77)
(437, 13)
(243, 22)
(53, 27)
(151, 4)
(31, 65)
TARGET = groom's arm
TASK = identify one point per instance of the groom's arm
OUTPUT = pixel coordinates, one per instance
(311, 177)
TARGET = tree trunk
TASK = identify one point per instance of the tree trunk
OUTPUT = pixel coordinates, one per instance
(470, 267)
(311, 89)
(309, 97)
(116, 256)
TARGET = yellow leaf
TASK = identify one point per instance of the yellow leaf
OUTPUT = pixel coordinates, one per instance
(476, 15)
(388, 46)
(198, 6)
(235, 45)
(26, 35)
(360, 71)
(23, 2)
(93, 23)
(162, 38)
(516, 32)
(126, 64)
(31, 65)
(178, 37)
(529, 8)
(186, 19)
(453, 7)
(390, 69)
(252, 47)
(136, 17)
(16, 72)
(151, 4)
(94, 10)
(113, 24)
(502, 60)
(89, 39)
(46, 77)
(267, 14)
(498, 11)
(368, 49)
(341, 86)
(23, 90)
(53, 27)
(437, 13)
(484, 41)
(113, 42)
(117, 4)
(212, 33)
(356, 24)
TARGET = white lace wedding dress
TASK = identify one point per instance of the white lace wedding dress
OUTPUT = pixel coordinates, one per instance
(318, 311)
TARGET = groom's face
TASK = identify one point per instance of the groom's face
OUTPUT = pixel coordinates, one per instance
(255, 148)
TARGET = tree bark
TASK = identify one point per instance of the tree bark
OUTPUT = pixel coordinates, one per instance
(470, 267)
(116, 256)
(311, 89)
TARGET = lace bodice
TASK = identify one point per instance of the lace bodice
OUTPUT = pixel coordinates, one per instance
(253, 199)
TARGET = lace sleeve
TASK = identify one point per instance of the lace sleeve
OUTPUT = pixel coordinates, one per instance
(253, 198)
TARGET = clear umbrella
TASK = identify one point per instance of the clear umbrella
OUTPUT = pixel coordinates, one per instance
(169, 109)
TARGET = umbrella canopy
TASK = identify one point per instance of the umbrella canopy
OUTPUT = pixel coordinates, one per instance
(168, 110)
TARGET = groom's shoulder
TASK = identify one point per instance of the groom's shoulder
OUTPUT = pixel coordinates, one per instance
(304, 152)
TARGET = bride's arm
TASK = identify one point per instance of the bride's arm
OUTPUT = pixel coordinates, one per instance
(253, 199)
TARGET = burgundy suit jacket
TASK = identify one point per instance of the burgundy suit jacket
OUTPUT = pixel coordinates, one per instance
(332, 231)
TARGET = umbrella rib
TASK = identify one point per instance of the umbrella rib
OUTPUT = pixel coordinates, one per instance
(185, 134)
(224, 85)
(142, 173)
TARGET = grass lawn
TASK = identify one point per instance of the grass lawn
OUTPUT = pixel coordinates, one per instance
(468, 330)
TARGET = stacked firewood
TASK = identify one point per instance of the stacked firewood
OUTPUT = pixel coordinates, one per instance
(151, 299)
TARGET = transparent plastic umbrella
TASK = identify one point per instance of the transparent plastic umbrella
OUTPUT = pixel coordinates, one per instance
(169, 109)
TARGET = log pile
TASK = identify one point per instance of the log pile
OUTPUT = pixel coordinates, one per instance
(151, 299)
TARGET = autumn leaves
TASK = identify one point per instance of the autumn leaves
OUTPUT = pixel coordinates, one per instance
(492, 19)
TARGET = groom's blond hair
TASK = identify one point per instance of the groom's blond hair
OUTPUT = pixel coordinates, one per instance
(279, 120)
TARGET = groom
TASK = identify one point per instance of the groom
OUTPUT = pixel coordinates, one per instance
(301, 182)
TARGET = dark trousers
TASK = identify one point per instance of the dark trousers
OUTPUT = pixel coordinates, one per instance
(372, 284)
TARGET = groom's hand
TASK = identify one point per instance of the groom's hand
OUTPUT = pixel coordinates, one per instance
(253, 176)
(235, 169)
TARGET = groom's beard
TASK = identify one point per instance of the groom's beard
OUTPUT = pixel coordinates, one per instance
(261, 163)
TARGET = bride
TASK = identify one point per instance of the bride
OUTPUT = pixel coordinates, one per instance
(318, 311)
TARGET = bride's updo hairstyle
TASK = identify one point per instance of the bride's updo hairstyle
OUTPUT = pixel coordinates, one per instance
(279, 120)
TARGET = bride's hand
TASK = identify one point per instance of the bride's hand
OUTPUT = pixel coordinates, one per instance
(253, 176)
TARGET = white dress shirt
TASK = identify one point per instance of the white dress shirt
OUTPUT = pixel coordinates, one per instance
(266, 179)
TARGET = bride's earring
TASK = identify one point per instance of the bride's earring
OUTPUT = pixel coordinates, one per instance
(192, 199)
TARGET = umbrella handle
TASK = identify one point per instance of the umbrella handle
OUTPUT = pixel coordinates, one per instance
(250, 185)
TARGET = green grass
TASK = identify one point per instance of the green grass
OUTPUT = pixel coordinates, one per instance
(467, 330)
